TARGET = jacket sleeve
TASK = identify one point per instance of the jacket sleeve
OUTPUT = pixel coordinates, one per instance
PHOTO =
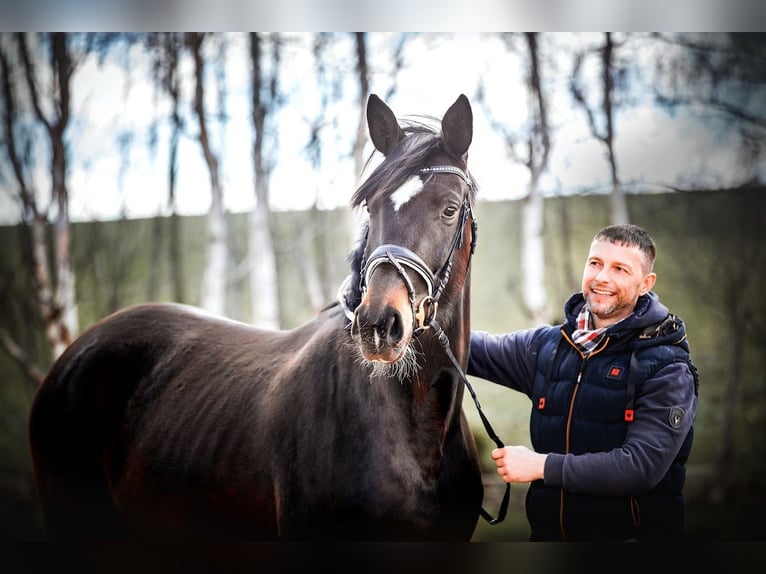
(507, 359)
(664, 411)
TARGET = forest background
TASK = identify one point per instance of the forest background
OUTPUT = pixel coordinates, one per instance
(214, 169)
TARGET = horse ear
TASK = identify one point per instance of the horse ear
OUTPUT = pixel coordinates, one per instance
(384, 129)
(457, 127)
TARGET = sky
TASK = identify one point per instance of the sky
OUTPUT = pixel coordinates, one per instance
(653, 147)
(370, 15)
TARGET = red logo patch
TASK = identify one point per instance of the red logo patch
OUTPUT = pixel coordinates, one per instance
(615, 373)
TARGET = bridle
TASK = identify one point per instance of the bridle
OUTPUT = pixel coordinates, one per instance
(401, 257)
(424, 312)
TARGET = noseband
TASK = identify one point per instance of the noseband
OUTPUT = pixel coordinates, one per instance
(401, 258)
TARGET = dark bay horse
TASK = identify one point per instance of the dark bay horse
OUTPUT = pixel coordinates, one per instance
(163, 423)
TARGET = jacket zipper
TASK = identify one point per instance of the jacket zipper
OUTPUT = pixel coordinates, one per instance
(566, 446)
(583, 360)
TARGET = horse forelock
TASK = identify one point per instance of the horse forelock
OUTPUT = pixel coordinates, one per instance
(404, 161)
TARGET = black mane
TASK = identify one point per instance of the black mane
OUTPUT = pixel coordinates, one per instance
(353, 293)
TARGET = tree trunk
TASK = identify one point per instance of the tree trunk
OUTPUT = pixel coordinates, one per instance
(533, 255)
(317, 289)
(619, 206)
(533, 252)
(264, 285)
(214, 276)
(55, 280)
(172, 48)
(363, 77)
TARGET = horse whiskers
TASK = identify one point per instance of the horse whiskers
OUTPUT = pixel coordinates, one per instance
(402, 370)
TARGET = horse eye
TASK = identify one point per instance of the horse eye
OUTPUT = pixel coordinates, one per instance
(450, 211)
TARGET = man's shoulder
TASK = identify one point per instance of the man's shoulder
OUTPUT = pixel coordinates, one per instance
(670, 327)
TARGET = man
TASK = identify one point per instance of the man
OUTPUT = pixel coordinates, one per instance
(614, 395)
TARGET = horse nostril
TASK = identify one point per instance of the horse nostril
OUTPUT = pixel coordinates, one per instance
(393, 328)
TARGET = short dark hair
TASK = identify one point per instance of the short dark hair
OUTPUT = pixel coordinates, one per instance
(631, 236)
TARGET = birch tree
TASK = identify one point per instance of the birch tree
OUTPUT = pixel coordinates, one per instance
(603, 127)
(264, 285)
(46, 97)
(214, 277)
(531, 149)
(166, 51)
(318, 251)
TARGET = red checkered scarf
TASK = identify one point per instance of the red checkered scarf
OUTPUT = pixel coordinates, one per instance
(585, 338)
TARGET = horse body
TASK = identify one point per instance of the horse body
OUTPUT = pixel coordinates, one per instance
(163, 423)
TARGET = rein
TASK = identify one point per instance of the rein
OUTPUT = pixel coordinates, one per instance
(424, 312)
(444, 340)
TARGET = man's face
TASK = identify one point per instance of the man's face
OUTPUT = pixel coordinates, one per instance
(613, 280)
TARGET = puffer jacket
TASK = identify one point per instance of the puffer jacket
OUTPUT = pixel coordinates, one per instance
(617, 425)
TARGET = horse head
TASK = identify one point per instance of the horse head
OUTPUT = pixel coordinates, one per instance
(418, 242)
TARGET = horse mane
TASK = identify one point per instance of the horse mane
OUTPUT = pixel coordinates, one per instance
(353, 293)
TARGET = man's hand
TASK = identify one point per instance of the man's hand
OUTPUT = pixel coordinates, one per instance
(519, 464)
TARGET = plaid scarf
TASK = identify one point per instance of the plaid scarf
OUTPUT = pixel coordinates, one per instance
(584, 337)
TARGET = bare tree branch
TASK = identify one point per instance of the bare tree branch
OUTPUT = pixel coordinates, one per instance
(21, 357)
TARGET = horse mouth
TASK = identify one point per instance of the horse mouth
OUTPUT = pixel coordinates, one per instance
(400, 364)
(372, 353)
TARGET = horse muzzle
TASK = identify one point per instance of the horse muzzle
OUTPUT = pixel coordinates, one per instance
(383, 332)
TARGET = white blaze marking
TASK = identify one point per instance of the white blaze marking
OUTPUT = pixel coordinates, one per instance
(402, 195)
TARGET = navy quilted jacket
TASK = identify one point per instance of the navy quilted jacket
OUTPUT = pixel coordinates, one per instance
(617, 425)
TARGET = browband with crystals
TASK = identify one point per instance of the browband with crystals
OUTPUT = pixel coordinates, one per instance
(448, 169)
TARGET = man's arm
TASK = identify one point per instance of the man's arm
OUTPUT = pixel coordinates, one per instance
(507, 359)
(664, 411)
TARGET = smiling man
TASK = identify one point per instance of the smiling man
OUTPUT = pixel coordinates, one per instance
(614, 395)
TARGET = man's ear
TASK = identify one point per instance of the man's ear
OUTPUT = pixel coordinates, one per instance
(647, 283)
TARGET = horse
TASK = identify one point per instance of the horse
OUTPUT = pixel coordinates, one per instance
(161, 422)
